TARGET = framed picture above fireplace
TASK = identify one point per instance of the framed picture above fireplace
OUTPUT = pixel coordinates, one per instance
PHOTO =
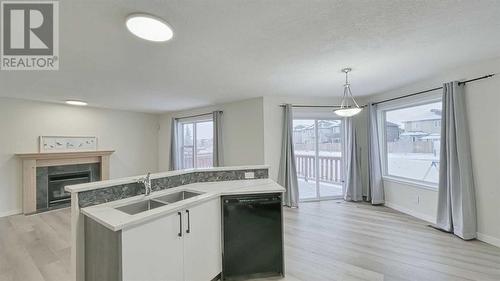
(67, 144)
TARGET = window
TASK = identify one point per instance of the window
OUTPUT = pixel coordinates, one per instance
(196, 143)
(412, 137)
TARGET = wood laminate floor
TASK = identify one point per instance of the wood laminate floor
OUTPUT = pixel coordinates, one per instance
(328, 240)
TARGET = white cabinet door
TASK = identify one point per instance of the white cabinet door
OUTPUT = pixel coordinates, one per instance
(202, 241)
(153, 251)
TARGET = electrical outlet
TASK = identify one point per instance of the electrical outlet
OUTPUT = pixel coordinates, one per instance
(249, 175)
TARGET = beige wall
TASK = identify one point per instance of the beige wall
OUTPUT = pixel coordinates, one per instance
(132, 135)
(482, 99)
(243, 133)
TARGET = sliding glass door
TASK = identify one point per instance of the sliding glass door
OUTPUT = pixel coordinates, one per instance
(318, 145)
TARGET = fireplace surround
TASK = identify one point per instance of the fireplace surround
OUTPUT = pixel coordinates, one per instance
(59, 169)
(50, 183)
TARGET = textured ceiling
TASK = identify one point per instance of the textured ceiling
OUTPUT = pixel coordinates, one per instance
(234, 49)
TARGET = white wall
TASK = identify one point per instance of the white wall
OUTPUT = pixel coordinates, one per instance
(243, 133)
(134, 136)
(482, 100)
(411, 199)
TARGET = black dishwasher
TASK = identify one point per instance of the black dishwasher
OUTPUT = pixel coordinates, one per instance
(252, 236)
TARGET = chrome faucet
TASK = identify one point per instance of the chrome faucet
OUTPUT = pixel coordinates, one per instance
(146, 181)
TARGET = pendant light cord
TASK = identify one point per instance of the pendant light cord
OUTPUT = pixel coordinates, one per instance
(347, 91)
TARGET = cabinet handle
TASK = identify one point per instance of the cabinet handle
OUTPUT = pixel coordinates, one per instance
(180, 224)
(188, 230)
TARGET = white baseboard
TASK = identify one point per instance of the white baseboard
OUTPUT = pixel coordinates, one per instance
(480, 236)
(488, 239)
(10, 213)
(410, 212)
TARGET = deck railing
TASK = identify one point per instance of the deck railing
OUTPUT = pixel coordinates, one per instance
(330, 168)
(203, 160)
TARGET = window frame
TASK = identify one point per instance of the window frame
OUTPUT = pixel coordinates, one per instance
(180, 138)
(381, 118)
(316, 116)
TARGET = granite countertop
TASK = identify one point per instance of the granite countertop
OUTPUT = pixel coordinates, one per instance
(116, 220)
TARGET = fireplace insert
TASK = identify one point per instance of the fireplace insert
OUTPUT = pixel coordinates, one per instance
(56, 194)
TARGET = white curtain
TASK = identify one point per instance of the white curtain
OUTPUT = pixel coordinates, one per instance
(287, 176)
(375, 182)
(456, 197)
(174, 156)
(217, 141)
(353, 183)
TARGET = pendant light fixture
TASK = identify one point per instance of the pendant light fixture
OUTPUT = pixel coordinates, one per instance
(349, 107)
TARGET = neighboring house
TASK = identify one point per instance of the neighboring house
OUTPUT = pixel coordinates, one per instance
(412, 136)
(420, 135)
(328, 132)
(392, 131)
(429, 126)
(303, 134)
(421, 130)
(424, 128)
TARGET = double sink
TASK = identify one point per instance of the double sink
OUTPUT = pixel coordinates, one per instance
(146, 205)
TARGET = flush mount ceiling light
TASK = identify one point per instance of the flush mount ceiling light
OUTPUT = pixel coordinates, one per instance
(76, 102)
(349, 107)
(149, 27)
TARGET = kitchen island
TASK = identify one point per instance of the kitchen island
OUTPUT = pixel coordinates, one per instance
(174, 233)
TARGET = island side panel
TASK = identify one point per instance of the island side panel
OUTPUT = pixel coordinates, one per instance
(102, 252)
(77, 240)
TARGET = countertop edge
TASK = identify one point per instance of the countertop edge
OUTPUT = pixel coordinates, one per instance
(92, 211)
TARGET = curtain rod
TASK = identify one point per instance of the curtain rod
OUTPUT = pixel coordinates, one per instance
(400, 97)
(303, 105)
(197, 115)
(435, 89)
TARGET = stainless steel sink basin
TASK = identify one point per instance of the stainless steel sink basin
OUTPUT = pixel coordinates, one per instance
(142, 206)
(176, 197)
(139, 207)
